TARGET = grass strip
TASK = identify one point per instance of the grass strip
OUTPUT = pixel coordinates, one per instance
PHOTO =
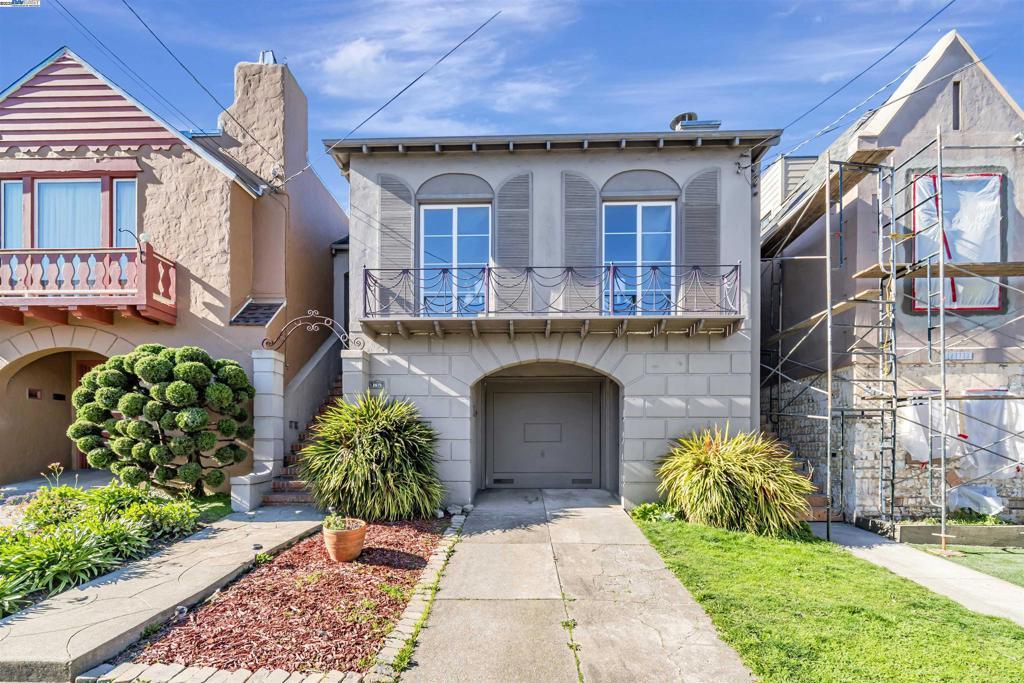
(807, 610)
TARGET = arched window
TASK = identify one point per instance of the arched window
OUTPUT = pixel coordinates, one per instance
(638, 218)
(455, 243)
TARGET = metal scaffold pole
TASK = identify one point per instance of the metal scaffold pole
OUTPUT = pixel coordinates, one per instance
(828, 342)
(943, 488)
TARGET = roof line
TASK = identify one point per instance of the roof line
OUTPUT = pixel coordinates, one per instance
(195, 147)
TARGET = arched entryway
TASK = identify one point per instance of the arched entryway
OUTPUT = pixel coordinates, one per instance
(36, 398)
(547, 425)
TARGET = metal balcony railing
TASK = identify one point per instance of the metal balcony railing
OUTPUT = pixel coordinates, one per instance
(447, 292)
(111, 278)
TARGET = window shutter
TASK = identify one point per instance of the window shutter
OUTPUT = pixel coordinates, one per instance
(397, 246)
(701, 232)
(512, 245)
(701, 242)
(580, 244)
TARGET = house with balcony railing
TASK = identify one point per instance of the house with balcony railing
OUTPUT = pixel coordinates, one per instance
(118, 228)
(559, 306)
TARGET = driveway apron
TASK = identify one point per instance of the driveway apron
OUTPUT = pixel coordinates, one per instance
(543, 577)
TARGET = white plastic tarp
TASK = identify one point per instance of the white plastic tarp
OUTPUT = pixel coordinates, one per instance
(981, 499)
(989, 427)
(971, 212)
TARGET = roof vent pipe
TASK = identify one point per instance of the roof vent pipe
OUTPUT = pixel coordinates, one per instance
(679, 122)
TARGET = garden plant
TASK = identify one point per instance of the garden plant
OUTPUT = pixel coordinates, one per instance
(373, 458)
(171, 417)
(69, 536)
(744, 482)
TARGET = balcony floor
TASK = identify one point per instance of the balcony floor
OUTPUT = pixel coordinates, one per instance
(689, 324)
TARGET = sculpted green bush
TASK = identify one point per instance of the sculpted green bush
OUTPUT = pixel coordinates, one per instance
(170, 417)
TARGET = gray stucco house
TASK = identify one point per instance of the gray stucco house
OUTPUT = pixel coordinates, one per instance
(558, 306)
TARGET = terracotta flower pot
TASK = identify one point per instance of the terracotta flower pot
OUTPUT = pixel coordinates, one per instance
(344, 545)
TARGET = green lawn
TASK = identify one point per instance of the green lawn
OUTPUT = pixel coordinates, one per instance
(810, 611)
(1004, 563)
(213, 507)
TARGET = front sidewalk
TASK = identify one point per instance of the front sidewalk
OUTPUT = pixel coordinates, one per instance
(541, 577)
(974, 590)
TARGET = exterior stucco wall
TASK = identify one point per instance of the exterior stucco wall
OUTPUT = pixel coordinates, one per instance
(668, 385)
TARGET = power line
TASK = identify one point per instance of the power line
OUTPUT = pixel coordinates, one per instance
(874, 63)
(393, 97)
(78, 25)
(198, 82)
(861, 73)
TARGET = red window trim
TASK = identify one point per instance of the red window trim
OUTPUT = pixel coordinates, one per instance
(916, 307)
(28, 213)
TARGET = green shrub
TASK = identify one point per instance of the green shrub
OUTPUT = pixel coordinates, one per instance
(14, 592)
(651, 512)
(81, 396)
(165, 519)
(123, 539)
(65, 556)
(744, 482)
(165, 402)
(195, 373)
(181, 394)
(373, 459)
(192, 419)
(131, 404)
(55, 505)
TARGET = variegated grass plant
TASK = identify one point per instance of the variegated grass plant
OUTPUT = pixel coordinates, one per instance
(373, 458)
(743, 482)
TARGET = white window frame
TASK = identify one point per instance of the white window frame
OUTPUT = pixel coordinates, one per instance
(113, 209)
(3, 226)
(639, 245)
(36, 203)
(455, 247)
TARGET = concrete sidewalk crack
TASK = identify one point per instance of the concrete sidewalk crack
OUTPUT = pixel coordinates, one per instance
(569, 623)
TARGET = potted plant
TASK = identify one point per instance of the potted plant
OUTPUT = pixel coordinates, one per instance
(344, 537)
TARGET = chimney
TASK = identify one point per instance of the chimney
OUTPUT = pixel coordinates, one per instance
(267, 128)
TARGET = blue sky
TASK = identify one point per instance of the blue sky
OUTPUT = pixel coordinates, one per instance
(572, 65)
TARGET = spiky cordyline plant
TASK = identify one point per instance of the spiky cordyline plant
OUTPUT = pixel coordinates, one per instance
(373, 459)
(743, 482)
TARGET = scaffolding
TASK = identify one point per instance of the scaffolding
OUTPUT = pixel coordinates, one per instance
(874, 397)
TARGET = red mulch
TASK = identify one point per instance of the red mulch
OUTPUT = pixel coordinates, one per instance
(302, 612)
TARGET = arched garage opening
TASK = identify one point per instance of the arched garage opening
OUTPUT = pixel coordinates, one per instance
(547, 425)
(35, 392)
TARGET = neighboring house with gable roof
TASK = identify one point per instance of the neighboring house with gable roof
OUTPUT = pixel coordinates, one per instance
(117, 229)
(982, 129)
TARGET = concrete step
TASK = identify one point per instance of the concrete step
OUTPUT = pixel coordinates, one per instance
(287, 498)
(820, 514)
(290, 470)
(289, 485)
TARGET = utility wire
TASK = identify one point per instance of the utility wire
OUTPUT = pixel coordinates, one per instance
(198, 82)
(393, 97)
(77, 24)
(859, 74)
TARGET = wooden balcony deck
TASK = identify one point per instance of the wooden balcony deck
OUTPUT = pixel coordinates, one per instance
(87, 284)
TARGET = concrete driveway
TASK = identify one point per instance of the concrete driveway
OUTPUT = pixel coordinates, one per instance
(540, 574)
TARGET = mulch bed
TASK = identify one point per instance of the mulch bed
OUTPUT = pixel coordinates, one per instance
(302, 612)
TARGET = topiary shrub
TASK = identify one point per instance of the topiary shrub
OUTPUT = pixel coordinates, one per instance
(744, 482)
(155, 416)
(372, 459)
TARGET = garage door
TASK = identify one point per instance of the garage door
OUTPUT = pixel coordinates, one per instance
(543, 433)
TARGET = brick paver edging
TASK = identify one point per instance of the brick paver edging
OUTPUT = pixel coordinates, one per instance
(398, 645)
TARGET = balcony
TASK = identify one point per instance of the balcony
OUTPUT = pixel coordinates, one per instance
(87, 284)
(600, 299)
